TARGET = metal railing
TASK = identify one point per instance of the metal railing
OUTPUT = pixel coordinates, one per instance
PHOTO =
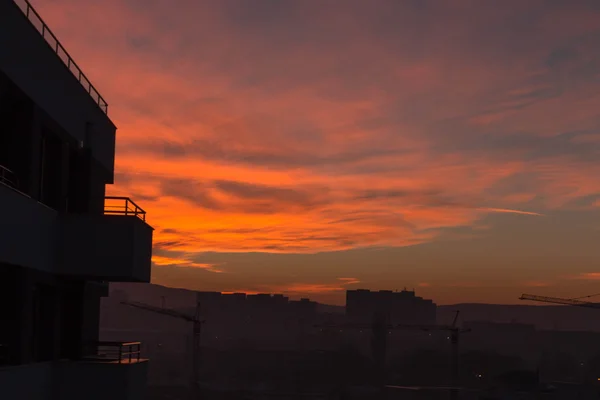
(60, 51)
(8, 178)
(123, 206)
(119, 352)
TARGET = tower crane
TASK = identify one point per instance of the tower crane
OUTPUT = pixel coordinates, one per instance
(455, 332)
(558, 300)
(379, 327)
(196, 330)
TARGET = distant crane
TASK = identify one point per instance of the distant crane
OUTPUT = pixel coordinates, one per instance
(558, 300)
(455, 333)
(196, 330)
(379, 327)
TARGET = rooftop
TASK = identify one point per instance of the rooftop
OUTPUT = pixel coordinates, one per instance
(38, 23)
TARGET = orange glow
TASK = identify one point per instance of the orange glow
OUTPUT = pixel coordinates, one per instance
(592, 276)
(352, 148)
(182, 262)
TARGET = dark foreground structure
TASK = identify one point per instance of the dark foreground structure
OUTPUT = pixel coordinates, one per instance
(61, 239)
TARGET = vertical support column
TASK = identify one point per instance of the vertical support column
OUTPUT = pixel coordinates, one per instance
(90, 326)
(454, 364)
(197, 325)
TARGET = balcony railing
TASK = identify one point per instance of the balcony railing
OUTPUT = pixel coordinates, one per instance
(123, 206)
(8, 178)
(114, 352)
(60, 51)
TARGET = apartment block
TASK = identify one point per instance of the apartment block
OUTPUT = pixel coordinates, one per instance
(62, 240)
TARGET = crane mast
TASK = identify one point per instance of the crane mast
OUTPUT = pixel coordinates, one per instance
(196, 333)
(378, 334)
(455, 332)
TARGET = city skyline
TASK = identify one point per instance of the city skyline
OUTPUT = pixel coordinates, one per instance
(308, 148)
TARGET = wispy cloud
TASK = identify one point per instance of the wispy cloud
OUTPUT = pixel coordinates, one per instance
(390, 131)
(587, 276)
(508, 211)
(373, 128)
(184, 263)
(349, 281)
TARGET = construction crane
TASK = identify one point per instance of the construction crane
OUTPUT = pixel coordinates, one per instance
(196, 330)
(558, 300)
(455, 332)
(379, 327)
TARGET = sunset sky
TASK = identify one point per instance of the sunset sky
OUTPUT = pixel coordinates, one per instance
(309, 146)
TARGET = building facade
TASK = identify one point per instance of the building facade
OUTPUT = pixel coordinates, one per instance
(61, 239)
(402, 307)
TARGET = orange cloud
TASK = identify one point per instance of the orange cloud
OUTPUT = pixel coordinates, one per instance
(309, 288)
(273, 138)
(504, 210)
(183, 262)
(588, 276)
(349, 281)
(313, 288)
(536, 284)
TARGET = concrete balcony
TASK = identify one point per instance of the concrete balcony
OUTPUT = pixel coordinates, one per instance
(28, 230)
(115, 247)
(101, 380)
(112, 375)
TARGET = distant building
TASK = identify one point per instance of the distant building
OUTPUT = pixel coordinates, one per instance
(304, 309)
(61, 239)
(398, 307)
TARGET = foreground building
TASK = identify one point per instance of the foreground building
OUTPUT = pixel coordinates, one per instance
(61, 239)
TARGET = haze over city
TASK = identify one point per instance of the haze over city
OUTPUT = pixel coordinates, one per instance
(311, 147)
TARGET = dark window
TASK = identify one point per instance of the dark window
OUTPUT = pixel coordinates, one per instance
(51, 173)
(16, 115)
(79, 176)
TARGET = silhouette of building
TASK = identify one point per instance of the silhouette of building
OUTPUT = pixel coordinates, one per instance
(61, 239)
(399, 307)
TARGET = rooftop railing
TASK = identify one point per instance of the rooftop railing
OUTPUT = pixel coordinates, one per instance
(114, 352)
(60, 51)
(8, 178)
(116, 205)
